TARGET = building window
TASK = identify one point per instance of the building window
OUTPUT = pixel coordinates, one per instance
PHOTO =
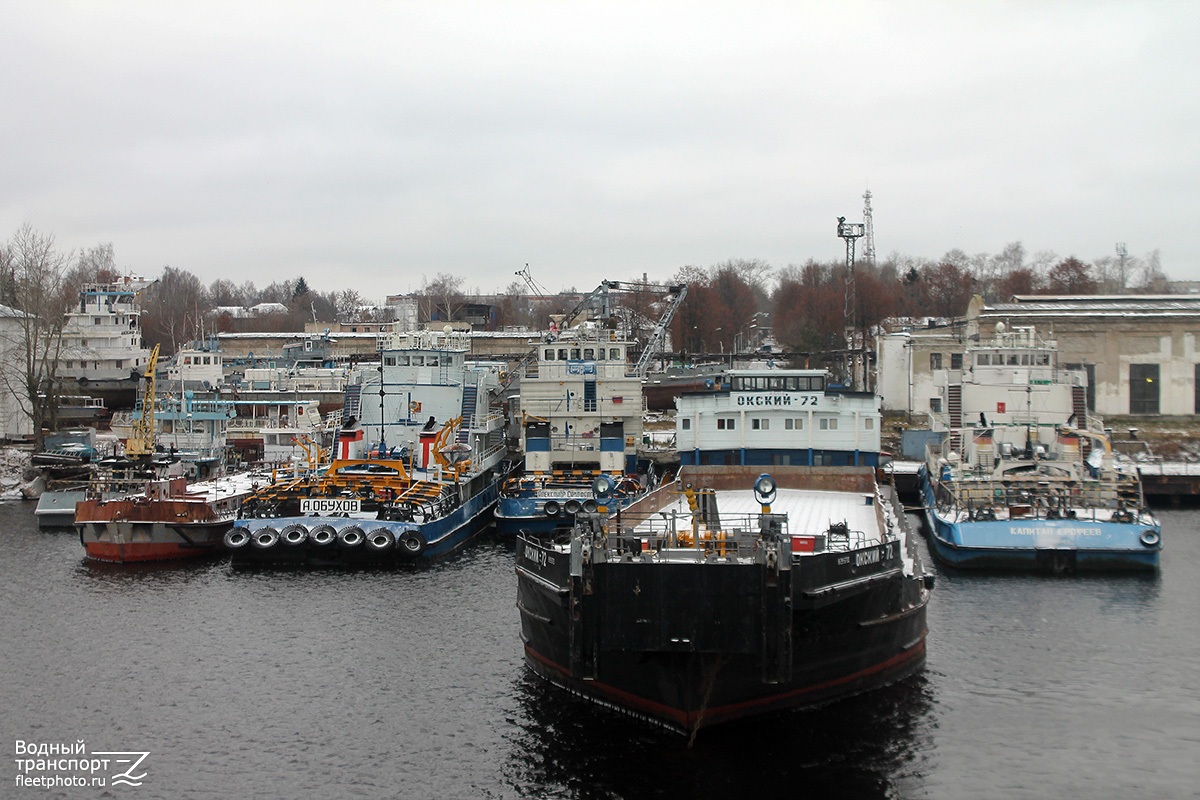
(935, 360)
(1143, 388)
(1196, 385)
(686, 423)
(956, 361)
(935, 405)
(760, 424)
(726, 423)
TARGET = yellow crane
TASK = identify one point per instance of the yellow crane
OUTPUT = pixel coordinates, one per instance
(140, 443)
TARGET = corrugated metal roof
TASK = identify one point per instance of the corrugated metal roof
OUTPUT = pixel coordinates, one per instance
(1098, 306)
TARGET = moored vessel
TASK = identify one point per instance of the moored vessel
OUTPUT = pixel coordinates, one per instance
(168, 519)
(581, 413)
(1024, 477)
(773, 573)
(414, 473)
(721, 597)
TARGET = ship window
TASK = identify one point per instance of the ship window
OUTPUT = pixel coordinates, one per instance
(83, 342)
(187, 359)
(589, 353)
(96, 320)
(614, 353)
(956, 361)
(793, 424)
(760, 424)
(575, 353)
(829, 423)
(1012, 360)
(431, 361)
(401, 361)
(726, 423)
(983, 359)
(417, 361)
(1024, 359)
(1042, 359)
(562, 354)
(389, 361)
(686, 423)
(549, 355)
(935, 360)
(869, 424)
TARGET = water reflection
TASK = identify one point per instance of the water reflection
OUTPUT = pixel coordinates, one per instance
(862, 747)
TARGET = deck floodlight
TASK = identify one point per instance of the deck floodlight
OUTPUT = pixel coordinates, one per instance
(602, 487)
(764, 489)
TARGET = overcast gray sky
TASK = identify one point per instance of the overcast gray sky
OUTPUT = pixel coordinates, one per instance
(365, 145)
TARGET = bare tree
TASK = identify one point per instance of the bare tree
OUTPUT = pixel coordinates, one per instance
(174, 306)
(36, 274)
(444, 296)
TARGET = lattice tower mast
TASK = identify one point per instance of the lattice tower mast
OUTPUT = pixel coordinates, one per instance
(851, 232)
(869, 227)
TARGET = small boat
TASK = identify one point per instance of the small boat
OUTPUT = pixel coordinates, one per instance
(1024, 477)
(424, 495)
(168, 519)
(727, 594)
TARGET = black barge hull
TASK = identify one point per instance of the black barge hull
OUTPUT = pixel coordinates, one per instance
(689, 646)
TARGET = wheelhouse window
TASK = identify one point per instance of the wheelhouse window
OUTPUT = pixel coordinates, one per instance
(829, 423)
(686, 423)
(726, 423)
(793, 424)
(760, 424)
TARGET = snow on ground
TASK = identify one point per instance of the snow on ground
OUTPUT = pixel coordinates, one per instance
(15, 466)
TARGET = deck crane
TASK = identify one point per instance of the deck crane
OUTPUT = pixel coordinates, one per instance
(599, 299)
(140, 443)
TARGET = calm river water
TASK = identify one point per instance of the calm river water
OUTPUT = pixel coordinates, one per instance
(410, 684)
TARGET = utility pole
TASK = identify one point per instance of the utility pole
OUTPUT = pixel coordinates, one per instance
(851, 232)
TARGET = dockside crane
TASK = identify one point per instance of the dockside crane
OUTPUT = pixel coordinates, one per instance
(140, 443)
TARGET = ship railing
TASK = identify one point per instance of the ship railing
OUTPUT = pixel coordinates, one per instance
(1103, 501)
(675, 532)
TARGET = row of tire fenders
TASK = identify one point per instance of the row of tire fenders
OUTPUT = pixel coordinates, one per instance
(380, 540)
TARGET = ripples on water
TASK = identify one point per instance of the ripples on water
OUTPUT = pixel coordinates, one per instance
(409, 683)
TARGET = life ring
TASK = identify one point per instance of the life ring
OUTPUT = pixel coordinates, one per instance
(294, 535)
(551, 508)
(265, 538)
(236, 538)
(322, 535)
(1150, 538)
(351, 537)
(380, 539)
(413, 543)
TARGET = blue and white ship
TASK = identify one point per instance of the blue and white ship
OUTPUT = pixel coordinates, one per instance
(778, 417)
(1023, 478)
(581, 417)
(415, 472)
